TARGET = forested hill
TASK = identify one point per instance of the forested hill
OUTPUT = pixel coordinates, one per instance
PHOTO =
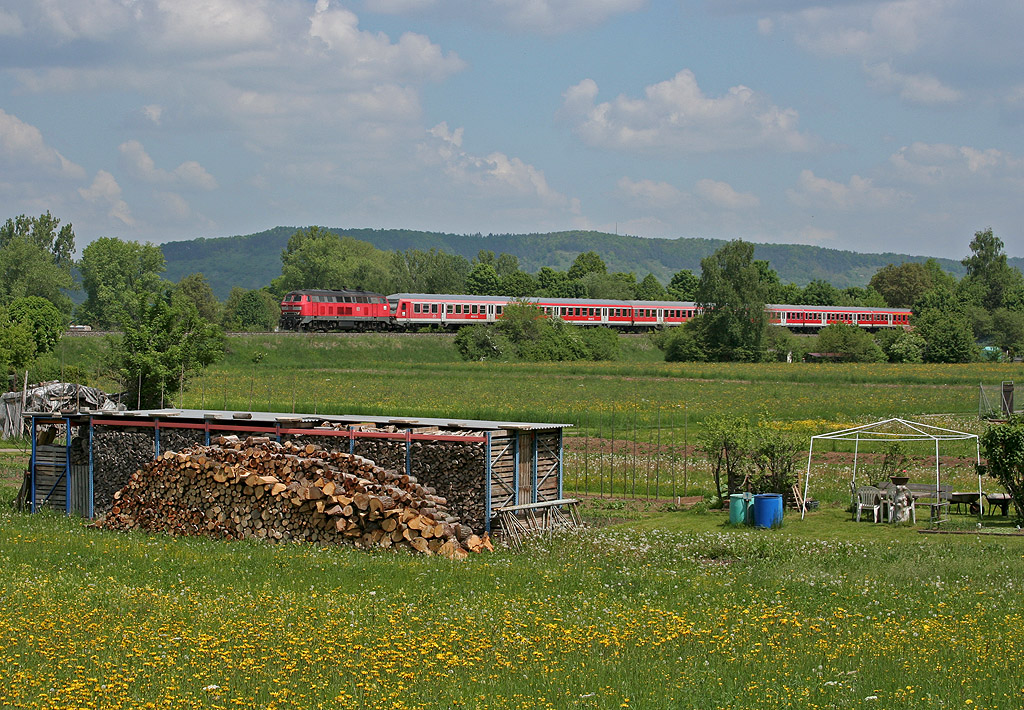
(253, 260)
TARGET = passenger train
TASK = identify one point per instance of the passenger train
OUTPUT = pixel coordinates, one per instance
(326, 310)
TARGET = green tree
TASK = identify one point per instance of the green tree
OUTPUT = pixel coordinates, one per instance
(196, 288)
(1008, 330)
(588, 262)
(902, 345)
(257, 310)
(820, 293)
(17, 344)
(732, 325)
(725, 443)
(862, 297)
(850, 343)
(901, 285)
(114, 272)
(557, 284)
(683, 285)
(617, 286)
(650, 289)
(415, 271)
(483, 280)
(163, 344)
(36, 260)
(990, 280)
(319, 258)
(42, 317)
(947, 336)
(517, 284)
(1003, 449)
(506, 265)
(683, 344)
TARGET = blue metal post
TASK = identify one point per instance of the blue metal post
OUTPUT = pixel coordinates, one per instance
(561, 456)
(67, 466)
(92, 493)
(408, 452)
(32, 468)
(487, 484)
(156, 439)
(351, 440)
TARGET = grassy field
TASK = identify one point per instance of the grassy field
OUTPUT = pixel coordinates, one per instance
(650, 607)
(673, 609)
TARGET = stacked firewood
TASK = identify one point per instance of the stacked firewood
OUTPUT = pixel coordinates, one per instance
(117, 453)
(257, 488)
(456, 469)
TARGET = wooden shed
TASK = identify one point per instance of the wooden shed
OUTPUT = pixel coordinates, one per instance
(80, 459)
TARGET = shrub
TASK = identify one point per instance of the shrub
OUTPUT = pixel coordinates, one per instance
(1003, 446)
(683, 344)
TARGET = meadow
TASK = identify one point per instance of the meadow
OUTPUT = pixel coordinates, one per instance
(653, 606)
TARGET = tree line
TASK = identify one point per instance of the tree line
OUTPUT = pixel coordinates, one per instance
(169, 331)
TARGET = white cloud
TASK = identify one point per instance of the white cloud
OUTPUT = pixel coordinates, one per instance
(675, 115)
(373, 56)
(222, 25)
(22, 144)
(174, 205)
(859, 193)
(940, 163)
(496, 174)
(650, 193)
(916, 88)
(10, 24)
(153, 112)
(723, 195)
(540, 16)
(189, 174)
(106, 192)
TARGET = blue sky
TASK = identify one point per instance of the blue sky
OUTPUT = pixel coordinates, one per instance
(855, 124)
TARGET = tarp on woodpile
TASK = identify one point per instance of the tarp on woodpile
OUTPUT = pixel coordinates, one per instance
(49, 397)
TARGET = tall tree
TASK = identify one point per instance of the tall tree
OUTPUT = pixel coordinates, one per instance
(901, 285)
(588, 262)
(483, 280)
(990, 280)
(650, 289)
(114, 272)
(196, 288)
(163, 343)
(731, 294)
(36, 260)
(683, 285)
(820, 293)
(319, 258)
(17, 344)
(434, 271)
(46, 322)
(557, 284)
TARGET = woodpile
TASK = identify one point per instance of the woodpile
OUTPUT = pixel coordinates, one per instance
(118, 452)
(258, 488)
(455, 469)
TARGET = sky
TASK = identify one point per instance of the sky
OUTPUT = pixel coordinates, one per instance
(852, 124)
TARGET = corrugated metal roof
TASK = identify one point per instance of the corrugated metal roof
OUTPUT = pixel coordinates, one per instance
(242, 417)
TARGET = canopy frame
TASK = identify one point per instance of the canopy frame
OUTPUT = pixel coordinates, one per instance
(883, 431)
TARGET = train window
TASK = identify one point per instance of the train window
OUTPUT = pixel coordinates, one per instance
(474, 308)
(416, 308)
(449, 308)
(458, 308)
(498, 309)
(433, 308)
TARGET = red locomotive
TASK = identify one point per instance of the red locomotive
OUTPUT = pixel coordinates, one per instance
(322, 309)
(317, 310)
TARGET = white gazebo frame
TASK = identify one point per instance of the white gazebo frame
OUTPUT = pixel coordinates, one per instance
(883, 431)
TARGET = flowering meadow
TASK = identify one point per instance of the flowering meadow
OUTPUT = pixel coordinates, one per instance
(685, 614)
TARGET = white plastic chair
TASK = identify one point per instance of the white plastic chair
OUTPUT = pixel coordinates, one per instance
(869, 497)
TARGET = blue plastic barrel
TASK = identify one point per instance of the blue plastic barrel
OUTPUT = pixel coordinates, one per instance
(767, 510)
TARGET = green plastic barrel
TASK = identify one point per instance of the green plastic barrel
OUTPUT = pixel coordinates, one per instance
(739, 509)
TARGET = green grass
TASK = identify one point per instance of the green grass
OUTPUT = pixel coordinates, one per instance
(670, 610)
